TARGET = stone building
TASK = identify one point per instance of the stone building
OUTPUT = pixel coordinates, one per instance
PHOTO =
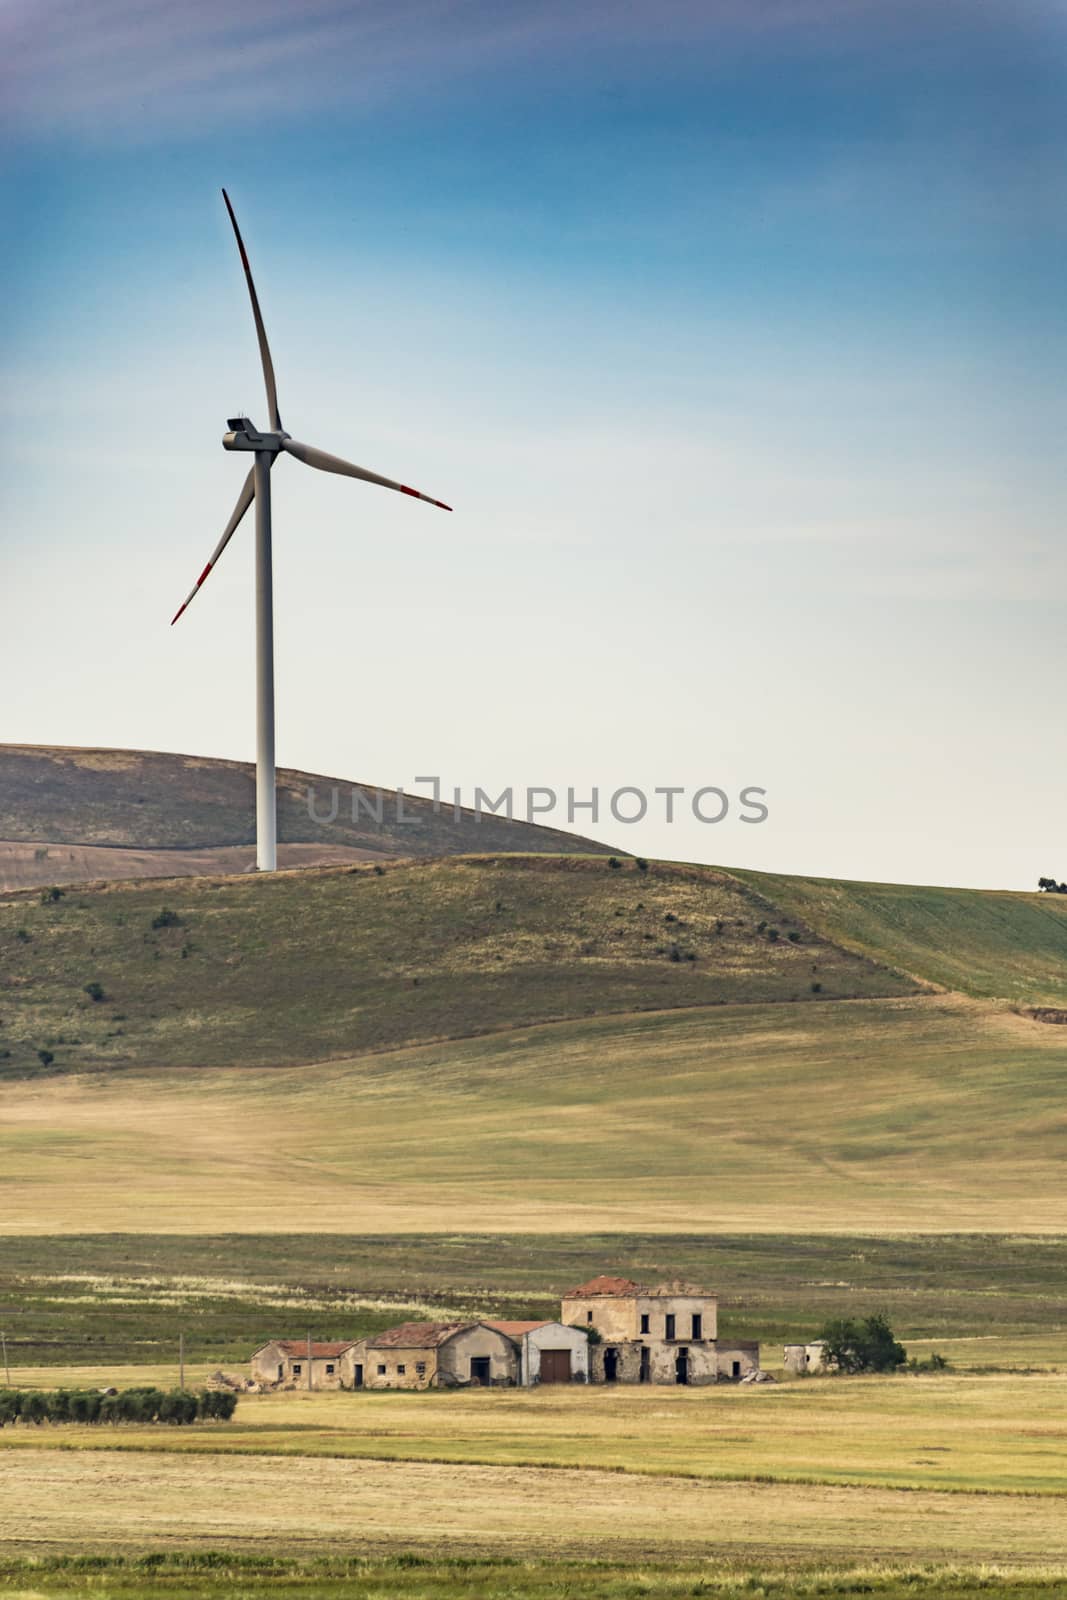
(432, 1355)
(666, 1334)
(286, 1362)
(549, 1352)
(805, 1358)
(736, 1358)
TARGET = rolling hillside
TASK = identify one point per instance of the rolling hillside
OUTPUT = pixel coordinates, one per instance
(301, 966)
(73, 815)
(916, 1115)
(993, 944)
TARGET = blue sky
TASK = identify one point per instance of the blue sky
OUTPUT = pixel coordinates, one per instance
(734, 333)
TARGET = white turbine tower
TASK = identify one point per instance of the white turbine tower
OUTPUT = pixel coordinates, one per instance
(266, 447)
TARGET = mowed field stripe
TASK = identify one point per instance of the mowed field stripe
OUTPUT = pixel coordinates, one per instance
(856, 1116)
(52, 1500)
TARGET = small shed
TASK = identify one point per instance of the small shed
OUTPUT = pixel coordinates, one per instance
(804, 1358)
(285, 1362)
(736, 1358)
(549, 1352)
(425, 1355)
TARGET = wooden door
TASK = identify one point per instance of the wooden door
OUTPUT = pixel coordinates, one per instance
(555, 1366)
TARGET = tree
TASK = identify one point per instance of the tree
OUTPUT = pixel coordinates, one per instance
(1050, 886)
(863, 1346)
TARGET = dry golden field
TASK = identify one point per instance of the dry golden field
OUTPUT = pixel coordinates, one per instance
(961, 1469)
(851, 1117)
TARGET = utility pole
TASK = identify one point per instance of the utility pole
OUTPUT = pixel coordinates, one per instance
(310, 1384)
(181, 1361)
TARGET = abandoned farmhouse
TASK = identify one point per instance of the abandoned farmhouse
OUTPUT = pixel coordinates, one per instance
(610, 1330)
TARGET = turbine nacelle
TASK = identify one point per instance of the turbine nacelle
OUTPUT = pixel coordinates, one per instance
(244, 435)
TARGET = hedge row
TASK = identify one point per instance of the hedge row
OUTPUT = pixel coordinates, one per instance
(131, 1405)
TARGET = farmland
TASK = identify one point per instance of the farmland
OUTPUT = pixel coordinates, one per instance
(994, 946)
(951, 1468)
(346, 1096)
(844, 1117)
(112, 1303)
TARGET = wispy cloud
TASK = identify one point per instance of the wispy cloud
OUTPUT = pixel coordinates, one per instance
(136, 67)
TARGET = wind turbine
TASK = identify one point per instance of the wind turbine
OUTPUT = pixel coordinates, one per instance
(266, 447)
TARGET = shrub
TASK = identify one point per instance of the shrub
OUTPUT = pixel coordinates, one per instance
(95, 991)
(772, 934)
(794, 937)
(45, 1057)
(816, 988)
(642, 864)
(34, 1408)
(88, 1406)
(932, 1363)
(22, 935)
(166, 919)
(41, 853)
(614, 863)
(867, 1346)
(218, 1405)
(50, 896)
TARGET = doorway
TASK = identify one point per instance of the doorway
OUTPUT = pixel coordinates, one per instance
(357, 1375)
(645, 1371)
(611, 1365)
(681, 1367)
(555, 1366)
(480, 1373)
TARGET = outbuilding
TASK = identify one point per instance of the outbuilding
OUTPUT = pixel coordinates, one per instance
(805, 1358)
(434, 1355)
(549, 1352)
(302, 1363)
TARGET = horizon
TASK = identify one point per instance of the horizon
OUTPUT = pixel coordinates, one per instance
(735, 340)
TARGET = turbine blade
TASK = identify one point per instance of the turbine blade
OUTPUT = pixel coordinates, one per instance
(327, 463)
(261, 332)
(244, 500)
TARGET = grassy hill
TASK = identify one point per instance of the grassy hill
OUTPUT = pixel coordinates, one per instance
(530, 1043)
(299, 966)
(145, 813)
(921, 1114)
(987, 943)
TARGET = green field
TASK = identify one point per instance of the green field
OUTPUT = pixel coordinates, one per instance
(991, 944)
(238, 1576)
(108, 1302)
(233, 1577)
(335, 1099)
(315, 964)
(949, 1469)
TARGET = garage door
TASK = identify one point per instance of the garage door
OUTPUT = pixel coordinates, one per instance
(555, 1366)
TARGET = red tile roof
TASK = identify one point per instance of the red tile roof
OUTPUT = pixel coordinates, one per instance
(320, 1351)
(515, 1330)
(604, 1285)
(416, 1335)
(625, 1288)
